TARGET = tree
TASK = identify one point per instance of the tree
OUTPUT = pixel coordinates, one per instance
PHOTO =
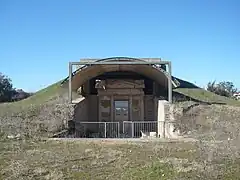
(6, 89)
(224, 88)
(8, 93)
(20, 94)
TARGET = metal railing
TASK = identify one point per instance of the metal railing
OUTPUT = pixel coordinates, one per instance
(128, 129)
(133, 128)
(125, 129)
(97, 129)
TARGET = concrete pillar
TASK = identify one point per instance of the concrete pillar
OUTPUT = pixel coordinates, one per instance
(112, 109)
(166, 120)
(161, 118)
(130, 108)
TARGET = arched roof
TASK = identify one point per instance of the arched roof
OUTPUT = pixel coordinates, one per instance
(116, 59)
(87, 72)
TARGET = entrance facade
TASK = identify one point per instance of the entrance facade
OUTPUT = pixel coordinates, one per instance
(116, 106)
(120, 100)
(117, 90)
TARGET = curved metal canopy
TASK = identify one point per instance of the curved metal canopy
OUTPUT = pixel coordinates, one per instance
(140, 66)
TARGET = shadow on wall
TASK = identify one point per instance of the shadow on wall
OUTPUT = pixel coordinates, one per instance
(80, 114)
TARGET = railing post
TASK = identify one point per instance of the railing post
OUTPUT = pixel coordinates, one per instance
(105, 129)
(132, 129)
(118, 124)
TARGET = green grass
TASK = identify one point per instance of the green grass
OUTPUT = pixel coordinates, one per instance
(206, 96)
(56, 89)
(39, 98)
(43, 95)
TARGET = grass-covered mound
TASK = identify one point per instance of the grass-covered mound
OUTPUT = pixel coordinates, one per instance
(48, 109)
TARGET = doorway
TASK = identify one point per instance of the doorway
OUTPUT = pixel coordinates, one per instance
(121, 112)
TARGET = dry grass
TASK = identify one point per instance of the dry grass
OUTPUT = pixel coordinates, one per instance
(212, 122)
(45, 112)
(90, 160)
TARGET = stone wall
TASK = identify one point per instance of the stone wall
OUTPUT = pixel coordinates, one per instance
(105, 109)
(93, 108)
(149, 108)
(81, 111)
(80, 115)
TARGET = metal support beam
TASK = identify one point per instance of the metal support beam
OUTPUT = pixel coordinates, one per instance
(119, 63)
(169, 82)
(70, 83)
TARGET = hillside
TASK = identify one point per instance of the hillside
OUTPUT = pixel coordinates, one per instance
(208, 122)
(41, 114)
(47, 110)
(59, 92)
(214, 154)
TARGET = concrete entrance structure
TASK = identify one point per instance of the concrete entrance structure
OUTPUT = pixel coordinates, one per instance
(121, 89)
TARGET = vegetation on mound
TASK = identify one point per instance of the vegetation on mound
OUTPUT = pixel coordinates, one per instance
(46, 111)
(42, 114)
(56, 90)
(27, 159)
(117, 160)
(60, 89)
(202, 95)
(212, 122)
(39, 97)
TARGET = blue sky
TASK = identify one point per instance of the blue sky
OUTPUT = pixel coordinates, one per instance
(39, 38)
